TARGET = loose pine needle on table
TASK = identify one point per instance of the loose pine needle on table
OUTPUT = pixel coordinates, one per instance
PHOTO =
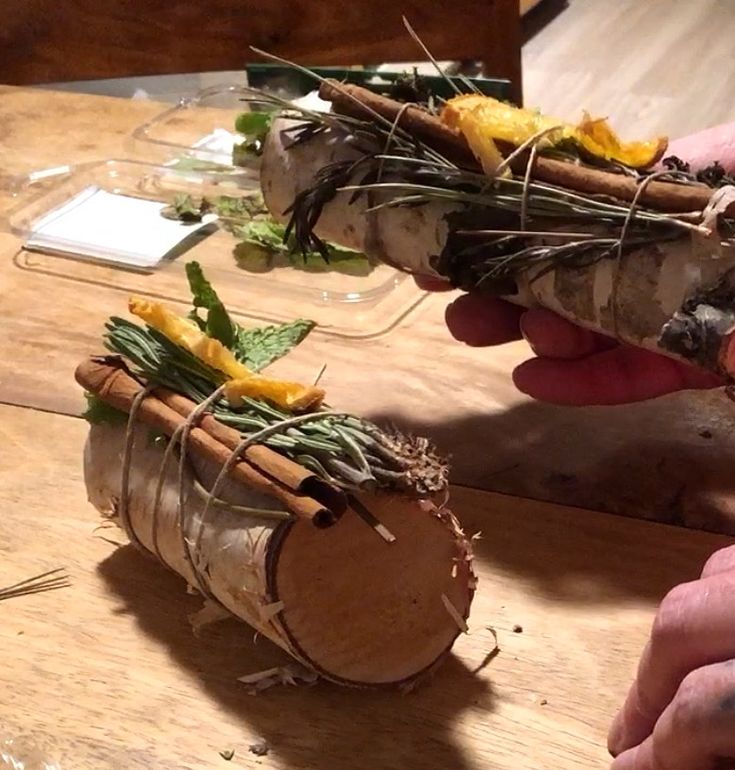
(47, 581)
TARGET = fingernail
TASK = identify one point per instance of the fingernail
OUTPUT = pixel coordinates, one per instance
(616, 735)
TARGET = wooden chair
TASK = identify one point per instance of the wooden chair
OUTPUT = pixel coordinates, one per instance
(44, 41)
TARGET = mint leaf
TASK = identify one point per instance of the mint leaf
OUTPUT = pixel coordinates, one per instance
(257, 348)
(262, 248)
(253, 124)
(218, 324)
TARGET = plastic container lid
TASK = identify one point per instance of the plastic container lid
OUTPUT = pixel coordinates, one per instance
(364, 303)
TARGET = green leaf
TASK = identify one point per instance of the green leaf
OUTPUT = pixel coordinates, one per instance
(261, 237)
(253, 257)
(243, 207)
(253, 124)
(218, 324)
(186, 209)
(264, 232)
(99, 412)
(257, 348)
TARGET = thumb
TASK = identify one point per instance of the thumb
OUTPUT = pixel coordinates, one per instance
(705, 147)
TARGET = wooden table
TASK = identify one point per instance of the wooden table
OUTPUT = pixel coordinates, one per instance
(109, 675)
(669, 459)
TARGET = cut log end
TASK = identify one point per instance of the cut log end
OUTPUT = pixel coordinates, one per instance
(367, 612)
(359, 610)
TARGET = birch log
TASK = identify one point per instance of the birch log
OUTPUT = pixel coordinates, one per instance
(640, 299)
(342, 601)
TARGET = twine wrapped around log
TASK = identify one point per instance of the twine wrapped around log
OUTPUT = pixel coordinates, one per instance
(301, 586)
(301, 491)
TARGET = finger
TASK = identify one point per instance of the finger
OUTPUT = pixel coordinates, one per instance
(618, 376)
(720, 561)
(479, 320)
(551, 336)
(707, 146)
(694, 627)
(697, 729)
(637, 758)
(427, 283)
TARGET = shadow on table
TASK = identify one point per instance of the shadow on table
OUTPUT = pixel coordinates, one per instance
(318, 727)
(594, 459)
(668, 460)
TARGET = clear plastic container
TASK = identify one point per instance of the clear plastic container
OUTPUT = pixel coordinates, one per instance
(25, 753)
(348, 305)
(198, 132)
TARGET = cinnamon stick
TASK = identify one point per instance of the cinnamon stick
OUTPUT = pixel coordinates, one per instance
(109, 380)
(292, 475)
(355, 101)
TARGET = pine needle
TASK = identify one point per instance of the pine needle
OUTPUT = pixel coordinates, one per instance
(52, 580)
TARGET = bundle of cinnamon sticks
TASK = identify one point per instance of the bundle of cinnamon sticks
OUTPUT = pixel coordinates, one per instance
(302, 492)
(357, 102)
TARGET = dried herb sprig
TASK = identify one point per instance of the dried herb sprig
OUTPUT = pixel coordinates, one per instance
(52, 580)
(349, 452)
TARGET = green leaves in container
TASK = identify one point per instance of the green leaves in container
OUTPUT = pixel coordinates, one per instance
(262, 248)
(254, 126)
(186, 209)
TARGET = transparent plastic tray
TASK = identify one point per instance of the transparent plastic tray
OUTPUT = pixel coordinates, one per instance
(356, 306)
(198, 132)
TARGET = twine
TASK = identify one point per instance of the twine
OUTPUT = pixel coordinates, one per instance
(123, 510)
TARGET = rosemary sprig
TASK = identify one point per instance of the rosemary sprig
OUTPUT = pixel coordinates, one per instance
(404, 173)
(347, 451)
(47, 581)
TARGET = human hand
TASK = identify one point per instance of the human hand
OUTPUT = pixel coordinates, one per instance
(573, 366)
(680, 711)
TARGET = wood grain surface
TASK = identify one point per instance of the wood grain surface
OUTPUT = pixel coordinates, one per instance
(43, 41)
(108, 674)
(670, 459)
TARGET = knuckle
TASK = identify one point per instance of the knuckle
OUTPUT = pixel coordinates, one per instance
(669, 623)
(720, 561)
(688, 707)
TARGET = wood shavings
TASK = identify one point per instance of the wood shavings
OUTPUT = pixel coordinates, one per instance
(494, 652)
(269, 611)
(259, 747)
(292, 674)
(209, 613)
(452, 610)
